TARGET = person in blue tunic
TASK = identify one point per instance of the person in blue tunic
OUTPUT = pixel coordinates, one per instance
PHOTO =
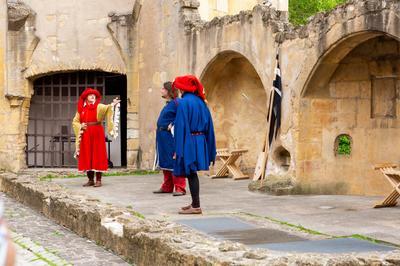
(194, 137)
(165, 143)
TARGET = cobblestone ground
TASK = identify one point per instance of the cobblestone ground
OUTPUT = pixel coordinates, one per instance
(40, 241)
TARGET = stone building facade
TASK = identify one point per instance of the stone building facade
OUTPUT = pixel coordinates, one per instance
(340, 77)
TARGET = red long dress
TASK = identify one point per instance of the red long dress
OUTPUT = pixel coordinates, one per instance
(92, 153)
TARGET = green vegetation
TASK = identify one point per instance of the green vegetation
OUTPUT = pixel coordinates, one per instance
(58, 233)
(297, 227)
(301, 10)
(135, 172)
(370, 239)
(313, 232)
(39, 257)
(344, 145)
(137, 214)
(51, 176)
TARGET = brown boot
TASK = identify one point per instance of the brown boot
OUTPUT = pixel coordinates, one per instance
(90, 183)
(98, 179)
(90, 175)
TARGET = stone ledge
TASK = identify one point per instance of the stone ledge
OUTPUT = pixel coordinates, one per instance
(156, 242)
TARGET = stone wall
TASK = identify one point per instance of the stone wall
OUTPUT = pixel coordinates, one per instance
(44, 37)
(362, 102)
(331, 94)
(159, 57)
(124, 37)
(248, 39)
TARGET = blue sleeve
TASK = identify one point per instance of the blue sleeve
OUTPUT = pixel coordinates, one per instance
(210, 138)
(179, 132)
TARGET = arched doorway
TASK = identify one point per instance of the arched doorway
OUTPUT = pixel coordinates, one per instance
(353, 92)
(50, 138)
(238, 101)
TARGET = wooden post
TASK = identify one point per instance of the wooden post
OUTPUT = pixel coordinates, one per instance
(263, 156)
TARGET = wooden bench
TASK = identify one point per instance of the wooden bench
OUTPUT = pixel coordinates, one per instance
(393, 177)
(229, 159)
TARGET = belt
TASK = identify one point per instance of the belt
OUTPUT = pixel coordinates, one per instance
(93, 124)
(162, 129)
(197, 133)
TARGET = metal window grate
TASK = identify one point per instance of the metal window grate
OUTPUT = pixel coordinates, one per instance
(50, 138)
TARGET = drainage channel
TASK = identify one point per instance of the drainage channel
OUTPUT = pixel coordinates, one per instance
(236, 230)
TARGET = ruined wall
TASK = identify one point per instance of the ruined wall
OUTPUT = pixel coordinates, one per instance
(249, 36)
(192, 46)
(237, 101)
(331, 94)
(9, 108)
(160, 41)
(74, 35)
(44, 37)
(217, 8)
(361, 103)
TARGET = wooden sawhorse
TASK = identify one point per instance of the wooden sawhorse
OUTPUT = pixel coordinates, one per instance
(393, 177)
(229, 159)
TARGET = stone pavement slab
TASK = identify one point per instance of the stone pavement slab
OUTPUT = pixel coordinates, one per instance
(337, 245)
(236, 230)
(329, 214)
(52, 241)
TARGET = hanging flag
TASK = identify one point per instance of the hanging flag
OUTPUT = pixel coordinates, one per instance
(275, 119)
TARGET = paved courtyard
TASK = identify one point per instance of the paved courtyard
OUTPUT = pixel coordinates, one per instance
(329, 214)
(40, 241)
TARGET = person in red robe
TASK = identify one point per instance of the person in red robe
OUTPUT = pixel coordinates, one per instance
(90, 137)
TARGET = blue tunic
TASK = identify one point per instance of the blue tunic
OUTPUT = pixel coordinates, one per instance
(194, 136)
(164, 138)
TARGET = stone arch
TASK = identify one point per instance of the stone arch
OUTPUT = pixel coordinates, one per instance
(238, 101)
(356, 23)
(354, 88)
(329, 61)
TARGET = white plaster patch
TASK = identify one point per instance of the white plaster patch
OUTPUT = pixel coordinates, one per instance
(113, 226)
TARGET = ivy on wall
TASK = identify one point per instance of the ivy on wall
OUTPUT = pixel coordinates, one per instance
(301, 10)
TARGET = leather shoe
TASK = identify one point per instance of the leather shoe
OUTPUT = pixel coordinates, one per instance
(191, 210)
(98, 184)
(186, 207)
(179, 193)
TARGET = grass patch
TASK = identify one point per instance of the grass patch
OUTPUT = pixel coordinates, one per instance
(137, 214)
(51, 176)
(370, 239)
(314, 232)
(134, 172)
(57, 233)
(297, 227)
(38, 255)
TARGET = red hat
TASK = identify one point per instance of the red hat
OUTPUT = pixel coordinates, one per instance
(191, 84)
(84, 95)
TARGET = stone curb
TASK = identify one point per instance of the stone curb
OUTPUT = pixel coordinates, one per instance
(156, 242)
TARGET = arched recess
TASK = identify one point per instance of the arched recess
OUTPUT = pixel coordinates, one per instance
(50, 139)
(354, 88)
(237, 100)
(330, 60)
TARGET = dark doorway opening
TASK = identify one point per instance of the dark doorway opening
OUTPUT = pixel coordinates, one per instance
(50, 138)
